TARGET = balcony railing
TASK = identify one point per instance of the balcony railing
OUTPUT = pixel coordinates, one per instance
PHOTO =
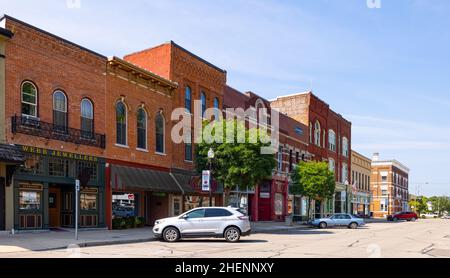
(36, 127)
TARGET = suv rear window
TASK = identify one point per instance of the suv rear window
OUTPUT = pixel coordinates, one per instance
(217, 213)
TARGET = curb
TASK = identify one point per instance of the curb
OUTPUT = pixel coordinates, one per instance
(97, 243)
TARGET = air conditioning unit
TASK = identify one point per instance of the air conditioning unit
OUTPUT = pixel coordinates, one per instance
(30, 121)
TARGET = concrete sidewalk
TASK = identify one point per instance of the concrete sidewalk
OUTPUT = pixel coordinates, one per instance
(43, 241)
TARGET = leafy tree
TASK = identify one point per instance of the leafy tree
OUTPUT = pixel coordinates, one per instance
(440, 204)
(313, 180)
(234, 163)
(419, 205)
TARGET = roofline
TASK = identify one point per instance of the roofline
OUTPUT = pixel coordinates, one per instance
(52, 35)
(291, 95)
(359, 154)
(6, 33)
(159, 78)
(197, 57)
(391, 163)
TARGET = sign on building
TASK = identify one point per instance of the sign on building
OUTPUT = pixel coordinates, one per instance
(206, 180)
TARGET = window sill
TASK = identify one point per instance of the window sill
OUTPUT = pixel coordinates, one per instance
(188, 161)
(161, 154)
(122, 146)
(142, 150)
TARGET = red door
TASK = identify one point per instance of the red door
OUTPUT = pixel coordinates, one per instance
(264, 209)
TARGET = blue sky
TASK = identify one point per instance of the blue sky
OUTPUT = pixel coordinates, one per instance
(387, 70)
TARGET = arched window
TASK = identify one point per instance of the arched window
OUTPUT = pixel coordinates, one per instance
(121, 123)
(159, 130)
(59, 111)
(29, 97)
(345, 146)
(344, 173)
(141, 129)
(188, 99)
(332, 165)
(203, 100)
(331, 140)
(87, 118)
(317, 133)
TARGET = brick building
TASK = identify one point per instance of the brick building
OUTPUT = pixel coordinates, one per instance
(329, 140)
(199, 80)
(360, 182)
(389, 186)
(271, 200)
(53, 111)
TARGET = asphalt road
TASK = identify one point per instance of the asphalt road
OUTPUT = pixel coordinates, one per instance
(424, 238)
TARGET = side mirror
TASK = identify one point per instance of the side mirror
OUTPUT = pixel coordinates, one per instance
(185, 217)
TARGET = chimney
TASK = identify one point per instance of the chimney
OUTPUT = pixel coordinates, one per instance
(376, 157)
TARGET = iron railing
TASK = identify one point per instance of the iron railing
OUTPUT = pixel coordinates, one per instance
(36, 127)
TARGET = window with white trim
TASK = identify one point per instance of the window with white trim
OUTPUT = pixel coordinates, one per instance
(332, 140)
(29, 99)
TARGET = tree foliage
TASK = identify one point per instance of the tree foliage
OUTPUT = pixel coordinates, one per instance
(313, 180)
(236, 164)
(440, 204)
(419, 205)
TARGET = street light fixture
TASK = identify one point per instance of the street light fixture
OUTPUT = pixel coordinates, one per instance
(211, 156)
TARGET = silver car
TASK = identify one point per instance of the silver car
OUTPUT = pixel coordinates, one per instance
(343, 219)
(219, 222)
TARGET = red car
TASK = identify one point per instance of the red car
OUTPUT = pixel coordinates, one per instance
(408, 216)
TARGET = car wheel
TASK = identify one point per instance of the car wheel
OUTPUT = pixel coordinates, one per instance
(323, 225)
(395, 219)
(413, 219)
(171, 234)
(232, 234)
(353, 225)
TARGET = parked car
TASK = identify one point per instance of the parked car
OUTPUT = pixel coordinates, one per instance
(218, 222)
(341, 219)
(429, 215)
(123, 212)
(405, 215)
(447, 216)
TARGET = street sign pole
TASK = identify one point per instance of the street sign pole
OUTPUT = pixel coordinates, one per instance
(77, 189)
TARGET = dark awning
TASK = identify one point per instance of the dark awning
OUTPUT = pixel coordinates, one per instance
(191, 182)
(10, 153)
(129, 178)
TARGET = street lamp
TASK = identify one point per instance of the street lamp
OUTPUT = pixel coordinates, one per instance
(211, 155)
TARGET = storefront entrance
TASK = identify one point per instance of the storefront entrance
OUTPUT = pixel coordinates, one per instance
(54, 207)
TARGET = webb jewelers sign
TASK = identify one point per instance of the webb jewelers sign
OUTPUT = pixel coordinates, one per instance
(61, 154)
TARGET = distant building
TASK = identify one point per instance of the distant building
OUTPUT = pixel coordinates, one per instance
(389, 186)
(360, 182)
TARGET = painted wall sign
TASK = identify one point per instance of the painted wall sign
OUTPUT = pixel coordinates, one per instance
(61, 154)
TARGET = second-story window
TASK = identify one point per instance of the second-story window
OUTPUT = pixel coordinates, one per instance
(159, 132)
(29, 97)
(217, 109)
(332, 165)
(87, 118)
(345, 146)
(188, 99)
(142, 129)
(317, 133)
(280, 159)
(59, 111)
(188, 147)
(290, 160)
(332, 140)
(121, 123)
(344, 173)
(203, 100)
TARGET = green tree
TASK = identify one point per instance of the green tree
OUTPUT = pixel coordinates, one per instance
(440, 204)
(419, 205)
(313, 180)
(234, 163)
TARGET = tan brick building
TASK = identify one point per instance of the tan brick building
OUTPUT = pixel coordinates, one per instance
(329, 140)
(360, 182)
(389, 186)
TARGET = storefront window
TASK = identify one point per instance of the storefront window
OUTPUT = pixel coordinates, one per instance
(33, 165)
(124, 204)
(87, 166)
(58, 167)
(29, 200)
(88, 201)
(192, 202)
(278, 204)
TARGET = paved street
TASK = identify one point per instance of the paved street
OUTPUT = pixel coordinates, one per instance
(424, 238)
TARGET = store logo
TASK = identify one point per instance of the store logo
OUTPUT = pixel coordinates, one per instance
(374, 4)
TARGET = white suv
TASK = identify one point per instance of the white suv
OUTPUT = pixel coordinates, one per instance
(217, 222)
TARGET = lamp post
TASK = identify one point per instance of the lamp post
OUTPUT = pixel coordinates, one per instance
(211, 155)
